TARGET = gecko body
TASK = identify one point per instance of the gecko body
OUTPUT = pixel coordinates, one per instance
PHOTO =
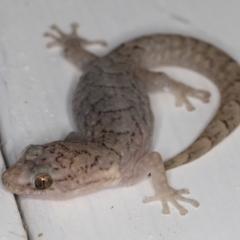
(115, 122)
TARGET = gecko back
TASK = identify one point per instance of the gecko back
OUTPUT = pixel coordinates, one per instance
(110, 105)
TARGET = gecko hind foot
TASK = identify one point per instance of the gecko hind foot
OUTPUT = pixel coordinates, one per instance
(160, 80)
(171, 195)
(182, 92)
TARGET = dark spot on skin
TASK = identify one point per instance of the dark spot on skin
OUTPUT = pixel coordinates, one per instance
(133, 85)
(62, 165)
(106, 168)
(63, 147)
(71, 161)
(85, 152)
(52, 150)
(225, 123)
(70, 177)
(75, 153)
(144, 120)
(112, 150)
(111, 87)
(58, 160)
(105, 98)
(95, 161)
(118, 110)
(90, 182)
(61, 180)
(113, 119)
(137, 47)
(97, 158)
(237, 101)
(109, 179)
(132, 137)
(59, 156)
(86, 168)
(137, 125)
(43, 159)
(99, 122)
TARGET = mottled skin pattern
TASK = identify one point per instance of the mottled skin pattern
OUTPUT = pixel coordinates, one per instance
(115, 123)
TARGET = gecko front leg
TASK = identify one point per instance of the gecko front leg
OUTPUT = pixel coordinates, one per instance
(73, 46)
(161, 81)
(152, 164)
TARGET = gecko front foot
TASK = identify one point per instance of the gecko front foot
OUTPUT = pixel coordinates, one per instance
(73, 46)
(152, 163)
(63, 38)
(182, 92)
(171, 195)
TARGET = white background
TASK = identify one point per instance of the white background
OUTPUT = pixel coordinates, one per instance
(36, 87)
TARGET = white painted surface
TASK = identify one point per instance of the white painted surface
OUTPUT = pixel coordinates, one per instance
(36, 86)
(11, 227)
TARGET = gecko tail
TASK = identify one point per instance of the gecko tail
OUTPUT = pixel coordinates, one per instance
(225, 121)
(208, 60)
(218, 67)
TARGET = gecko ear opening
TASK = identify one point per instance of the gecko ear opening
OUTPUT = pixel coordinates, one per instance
(32, 151)
(43, 181)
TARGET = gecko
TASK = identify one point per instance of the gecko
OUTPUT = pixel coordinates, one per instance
(115, 123)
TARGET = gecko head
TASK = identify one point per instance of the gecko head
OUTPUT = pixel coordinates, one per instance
(24, 177)
(32, 174)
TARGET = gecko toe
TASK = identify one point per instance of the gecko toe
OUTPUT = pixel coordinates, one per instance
(170, 195)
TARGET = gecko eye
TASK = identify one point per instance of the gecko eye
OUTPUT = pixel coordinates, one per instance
(43, 181)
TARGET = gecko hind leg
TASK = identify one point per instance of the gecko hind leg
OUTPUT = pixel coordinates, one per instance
(73, 46)
(152, 163)
(161, 81)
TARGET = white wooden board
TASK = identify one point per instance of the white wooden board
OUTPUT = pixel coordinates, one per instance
(36, 86)
(11, 226)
